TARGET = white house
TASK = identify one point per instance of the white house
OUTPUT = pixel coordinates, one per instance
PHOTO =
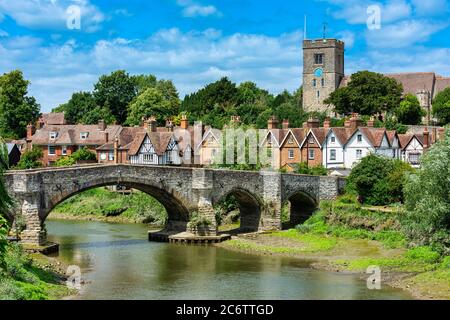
(333, 148)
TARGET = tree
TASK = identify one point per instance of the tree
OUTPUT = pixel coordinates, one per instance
(427, 198)
(410, 112)
(30, 159)
(170, 94)
(77, 107)
(96, 114)
(83, 154)
(441, 106)
(150, 103)
(143, 82)
(367, 93)
(17, 109)
(5, 203)
(115, 92)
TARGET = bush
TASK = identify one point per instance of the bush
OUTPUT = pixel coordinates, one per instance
(30, 159)
(3, 241)
(423, 254)
(84, 154)
(378, 180)
(303, 168)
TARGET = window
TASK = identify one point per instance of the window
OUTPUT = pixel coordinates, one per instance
(291, 140)
(51, 150)
(323, 82)
(53, 135)
(84, 135)
(358, 154)
(333, 139)
(148, 158)
(311, 154)
(414, 158)
(311, 140)
(332, 154)
(291, 153)
(359, 137)
(318, 58)
(111, 156)
(318, 94)
(64, 150)
(314, 83)
(169, 157)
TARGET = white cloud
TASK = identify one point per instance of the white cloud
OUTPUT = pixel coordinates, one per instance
(355, 12)
(403, 34)
(51, 14)
(192, 9)
(190, 59)
(430, 7)
(348, 37)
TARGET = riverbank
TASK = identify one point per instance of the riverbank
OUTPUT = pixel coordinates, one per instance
(33, 276)
(418, 271)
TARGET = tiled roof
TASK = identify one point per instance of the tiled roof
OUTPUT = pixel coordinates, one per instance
(343, 134)
(391, 135)
(405, 139)
(320, 134)
(70, 135)
(415, 81)
(374, 135)
(53, 118)
(441, 84)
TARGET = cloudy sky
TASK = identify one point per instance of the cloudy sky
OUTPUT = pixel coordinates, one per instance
(194, 42)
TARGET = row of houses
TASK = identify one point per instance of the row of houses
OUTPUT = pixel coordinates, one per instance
(336, 148)
(339, 148)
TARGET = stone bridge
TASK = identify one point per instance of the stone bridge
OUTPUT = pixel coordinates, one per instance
(182, 191)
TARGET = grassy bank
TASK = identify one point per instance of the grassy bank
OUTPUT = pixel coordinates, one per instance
(31, 277)
(104, 205)
(344, 237)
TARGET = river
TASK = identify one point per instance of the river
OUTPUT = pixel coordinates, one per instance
(117, 262)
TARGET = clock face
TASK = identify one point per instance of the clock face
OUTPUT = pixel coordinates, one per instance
(103, 156)
(318, 72)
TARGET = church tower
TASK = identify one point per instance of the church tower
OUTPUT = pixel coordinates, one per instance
(323, 70)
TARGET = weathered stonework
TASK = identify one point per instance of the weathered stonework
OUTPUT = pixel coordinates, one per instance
(181, 191)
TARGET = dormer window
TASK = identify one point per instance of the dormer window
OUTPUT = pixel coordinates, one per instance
(84, 135)
(53, 135)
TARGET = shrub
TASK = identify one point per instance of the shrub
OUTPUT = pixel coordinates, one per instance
(423, 254)
(30, 159)
(303, 168)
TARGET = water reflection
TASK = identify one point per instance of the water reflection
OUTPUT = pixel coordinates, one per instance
(119, 263)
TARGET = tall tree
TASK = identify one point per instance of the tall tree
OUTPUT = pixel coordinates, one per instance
(115, 92)
(77, 107)
(150, 103)
(410, 111)
(367, 93)
(441, 106)
(17, 109)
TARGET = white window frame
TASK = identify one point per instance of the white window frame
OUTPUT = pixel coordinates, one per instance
(359, 138)
(84, 135)
(291, 153)
(359, 154)
(333, 139)
(54, 149)
(111, 156)
(53, 135)
(333, 154)
(64, 150)
(311, 154)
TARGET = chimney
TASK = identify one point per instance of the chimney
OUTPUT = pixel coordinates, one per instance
(441, 134)
(371, 122)
(313, 123)
(106, 136)
(152, 125)
(347, 124)
(184, 122)
(116, 150)
(355, 121)
(327, 123)
(169, 125)
(30, 131)
(285, 124)
(272, 123)
(426, 138)
(102, 125)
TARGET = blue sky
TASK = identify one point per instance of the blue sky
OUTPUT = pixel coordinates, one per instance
(194, 42)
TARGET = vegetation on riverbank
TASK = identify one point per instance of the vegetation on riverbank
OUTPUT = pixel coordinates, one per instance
(104, 205)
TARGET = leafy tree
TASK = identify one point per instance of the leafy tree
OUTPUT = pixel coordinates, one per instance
(378, 180)
(76, 108)
(170, 94)
(17, 109)
(292, 113)
(30, 159)
(143, 82)
(221, 95)
(367, 93)
(83, 154)
(115, 92)
(441, 106)
(284, 97)
(261, 121)
(410, 112)
(66, 161)
(5, 199)
(150, 103)
(96, 114)
(427, 195)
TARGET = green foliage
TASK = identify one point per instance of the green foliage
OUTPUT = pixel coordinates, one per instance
(30, 159)
(5, 200)
(441, 106)
(378, 180)
(65, 162)
(115, 92)
(427, 195)
(3, 241)
(224, 208)
(151, 103)
(198, 221)
(303, 168)
(17, 109)
(410, 112)
(83, 154)
(367, 93)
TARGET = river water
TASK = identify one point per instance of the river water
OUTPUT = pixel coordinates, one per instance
(117, 262)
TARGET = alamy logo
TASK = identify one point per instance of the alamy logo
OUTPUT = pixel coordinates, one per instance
(73, 21)
(374, 17)
(74, 279)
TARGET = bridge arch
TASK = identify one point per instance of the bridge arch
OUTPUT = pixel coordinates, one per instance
(300, 205)
(250, 207)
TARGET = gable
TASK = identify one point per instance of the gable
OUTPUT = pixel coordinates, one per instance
(147, 146)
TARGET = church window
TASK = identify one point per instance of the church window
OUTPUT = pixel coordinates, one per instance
(314, 83)
(318, 58)
(323, 82)
(318, 94)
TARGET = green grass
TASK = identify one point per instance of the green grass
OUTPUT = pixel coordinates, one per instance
(137, 207)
